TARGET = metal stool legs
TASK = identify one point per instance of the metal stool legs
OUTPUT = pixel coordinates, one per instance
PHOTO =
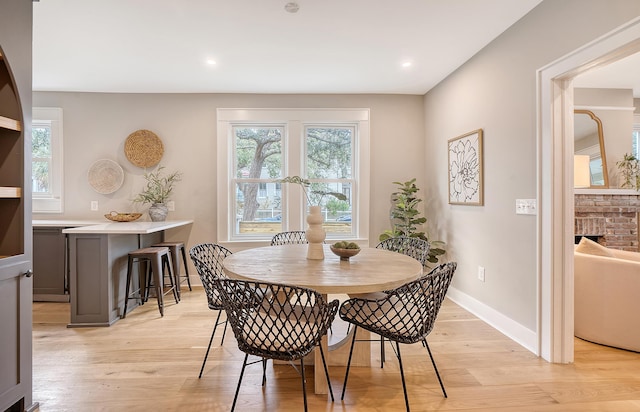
(155, 279)
(140, 290)
(177, 250)
(156, 260)
(186, 268)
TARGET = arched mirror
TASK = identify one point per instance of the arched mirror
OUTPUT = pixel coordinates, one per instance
(589, 140)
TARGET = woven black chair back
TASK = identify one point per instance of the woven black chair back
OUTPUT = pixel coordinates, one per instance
(207, 258)
(273, 320)
(407, 314)
(411, 246)
(295, 237)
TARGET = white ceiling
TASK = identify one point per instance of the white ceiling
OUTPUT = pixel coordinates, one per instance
(328, 46)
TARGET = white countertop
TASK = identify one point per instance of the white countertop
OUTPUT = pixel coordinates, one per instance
(65, 223)
(138, 228)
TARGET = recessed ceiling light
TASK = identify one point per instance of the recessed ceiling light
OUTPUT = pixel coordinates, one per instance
(406, 64)
(292, 7)
(211, 62)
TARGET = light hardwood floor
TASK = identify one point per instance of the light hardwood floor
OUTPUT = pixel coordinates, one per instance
(149, 363)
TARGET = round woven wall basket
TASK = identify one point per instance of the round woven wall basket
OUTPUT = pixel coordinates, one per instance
(105, 176)
(143, 148)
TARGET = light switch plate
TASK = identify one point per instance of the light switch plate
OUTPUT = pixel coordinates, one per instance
(526, 207)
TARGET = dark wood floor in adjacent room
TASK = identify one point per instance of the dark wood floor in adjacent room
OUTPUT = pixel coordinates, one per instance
(149, 363)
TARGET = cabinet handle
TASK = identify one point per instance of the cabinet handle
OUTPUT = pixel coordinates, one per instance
(28, 273)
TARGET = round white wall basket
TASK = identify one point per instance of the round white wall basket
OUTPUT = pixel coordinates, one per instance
(105, 176)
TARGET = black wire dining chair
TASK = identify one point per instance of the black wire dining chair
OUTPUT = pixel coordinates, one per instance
(294, 237)
(405, 315)
(207, 258)
(276, 321)
(411, 246)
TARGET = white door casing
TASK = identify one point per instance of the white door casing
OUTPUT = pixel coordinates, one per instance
(555, 184)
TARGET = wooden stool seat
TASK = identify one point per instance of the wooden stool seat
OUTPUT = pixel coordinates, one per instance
(177, 250)
(156, 260)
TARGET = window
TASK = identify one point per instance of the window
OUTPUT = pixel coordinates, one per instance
(46, 152)
(257, 155)
(329, 167)
(257, 147)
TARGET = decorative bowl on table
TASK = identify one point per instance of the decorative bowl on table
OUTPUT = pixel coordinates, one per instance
(344, 253)
(122, 217)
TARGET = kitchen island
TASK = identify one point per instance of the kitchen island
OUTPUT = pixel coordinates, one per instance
(98, 266)
(51, 258)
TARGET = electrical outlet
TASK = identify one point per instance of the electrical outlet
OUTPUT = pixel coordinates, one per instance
(171, 206)
(481, 273)
(94, 205)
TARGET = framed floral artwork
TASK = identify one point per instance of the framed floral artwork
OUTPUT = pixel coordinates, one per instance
(465, 169)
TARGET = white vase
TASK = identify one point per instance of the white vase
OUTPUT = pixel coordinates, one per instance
(315, 234)
(158, 212)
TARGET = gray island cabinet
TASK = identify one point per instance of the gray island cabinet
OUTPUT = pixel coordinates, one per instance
(49, 265)
(98, 266)
(51, 259)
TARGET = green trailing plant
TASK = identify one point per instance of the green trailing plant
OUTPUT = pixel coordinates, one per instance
(305, 184)
(629, 168)
(405, 218)
(158, 187)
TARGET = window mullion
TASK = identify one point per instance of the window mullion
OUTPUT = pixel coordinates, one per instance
(296, 202)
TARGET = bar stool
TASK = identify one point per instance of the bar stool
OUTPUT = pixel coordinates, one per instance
(174, 248)
(156, 259)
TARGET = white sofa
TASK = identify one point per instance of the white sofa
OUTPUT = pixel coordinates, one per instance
(607, 296)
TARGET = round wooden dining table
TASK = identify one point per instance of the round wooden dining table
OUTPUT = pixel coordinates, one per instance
(371, 270)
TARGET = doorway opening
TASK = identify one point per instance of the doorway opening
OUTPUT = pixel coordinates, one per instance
(555, 188)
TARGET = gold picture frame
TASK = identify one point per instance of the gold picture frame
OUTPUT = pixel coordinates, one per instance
(465, 169)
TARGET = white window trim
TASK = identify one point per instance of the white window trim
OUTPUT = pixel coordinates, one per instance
(53, 203)
(295, 117)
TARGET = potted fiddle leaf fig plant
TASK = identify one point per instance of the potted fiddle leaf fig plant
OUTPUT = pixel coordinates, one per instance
(406, 218)
(157, 192)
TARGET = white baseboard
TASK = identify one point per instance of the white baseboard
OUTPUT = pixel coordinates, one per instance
(513, 330)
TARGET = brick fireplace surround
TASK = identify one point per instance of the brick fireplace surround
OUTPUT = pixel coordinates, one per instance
(608, 216)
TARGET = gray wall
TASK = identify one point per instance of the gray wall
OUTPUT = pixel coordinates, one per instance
(97, 124)
(496, 91)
